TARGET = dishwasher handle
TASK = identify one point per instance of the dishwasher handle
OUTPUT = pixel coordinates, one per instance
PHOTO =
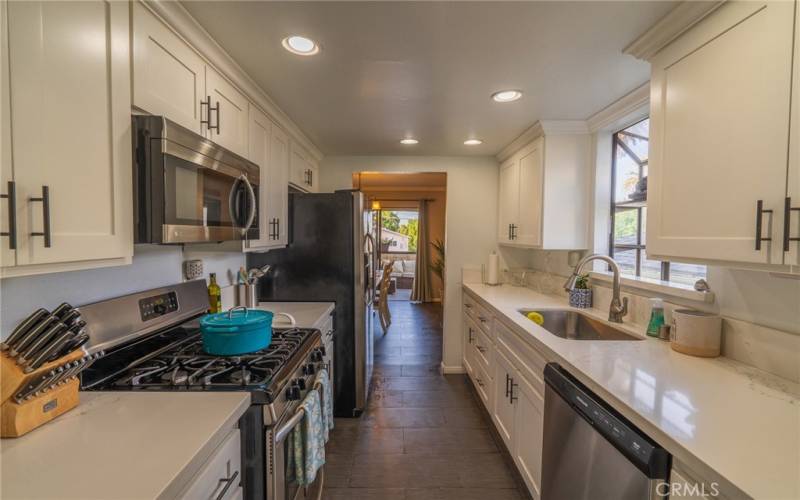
(643, 452)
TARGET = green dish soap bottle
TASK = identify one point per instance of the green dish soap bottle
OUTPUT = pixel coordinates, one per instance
(656, 317)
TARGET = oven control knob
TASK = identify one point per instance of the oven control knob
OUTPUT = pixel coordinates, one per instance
(301, 384)
(309, 369)
(316, 356)
(321, 350)
(293, 393)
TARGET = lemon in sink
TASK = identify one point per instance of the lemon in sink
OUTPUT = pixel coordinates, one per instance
(535, 317)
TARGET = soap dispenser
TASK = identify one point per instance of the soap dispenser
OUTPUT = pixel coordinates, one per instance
(656, 317)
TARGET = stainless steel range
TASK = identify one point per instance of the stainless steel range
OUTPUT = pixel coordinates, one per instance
(152, 342)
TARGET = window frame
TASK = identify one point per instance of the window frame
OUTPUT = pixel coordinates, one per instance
(639, 246)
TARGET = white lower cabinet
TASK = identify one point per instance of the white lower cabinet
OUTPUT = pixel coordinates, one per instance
(221, 476)
(528, 437)
(503, 409)
(514, 392)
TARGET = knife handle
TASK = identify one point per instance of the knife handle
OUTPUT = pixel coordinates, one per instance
(23, 328)
(40, 342)
(62, 309)
(51, 349)
(32, 334)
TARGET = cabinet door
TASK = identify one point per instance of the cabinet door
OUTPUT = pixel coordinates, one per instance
(503, 409)
(792, 257)
(260, 131)
(528, 427)
(8, 256)
(228, 120)
(168, 76)
(531, 178)
(279, 184)
(301, 175)
(70, 105)
(508, 200)
(719, 135)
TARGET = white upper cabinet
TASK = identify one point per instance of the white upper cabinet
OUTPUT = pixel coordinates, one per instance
(169, 77)
(720, 118)
(279, 186)
(304, 170)
(228, 118)
(543, 189)
(69, 63)
(269, 149)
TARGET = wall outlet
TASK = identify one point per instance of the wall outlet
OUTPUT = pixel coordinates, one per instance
(192, 269)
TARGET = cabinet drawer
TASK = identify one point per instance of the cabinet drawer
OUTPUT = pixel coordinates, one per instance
(484, 350)
(223, 470)
(525, 358)
(483, 385)
(480, 314)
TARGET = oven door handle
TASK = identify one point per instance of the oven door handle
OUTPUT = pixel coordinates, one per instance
(285, 429)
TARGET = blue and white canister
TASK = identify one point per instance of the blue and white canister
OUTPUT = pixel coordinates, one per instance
(581, 298)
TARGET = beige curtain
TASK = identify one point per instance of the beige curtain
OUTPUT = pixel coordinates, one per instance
(422, 291)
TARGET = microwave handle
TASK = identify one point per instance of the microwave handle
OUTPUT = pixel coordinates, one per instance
(253, 200)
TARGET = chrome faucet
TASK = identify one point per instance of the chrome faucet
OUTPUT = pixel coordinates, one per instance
(618, 308)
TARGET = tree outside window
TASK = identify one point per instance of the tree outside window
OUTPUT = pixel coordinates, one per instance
(399, 229)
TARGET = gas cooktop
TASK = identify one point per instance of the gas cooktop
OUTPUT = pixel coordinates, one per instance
(175, 360)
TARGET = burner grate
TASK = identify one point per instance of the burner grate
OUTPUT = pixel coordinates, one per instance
(188, 366)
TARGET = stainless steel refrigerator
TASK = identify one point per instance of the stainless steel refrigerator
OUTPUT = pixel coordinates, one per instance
(331, 258)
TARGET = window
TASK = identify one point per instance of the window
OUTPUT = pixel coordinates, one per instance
(629, 211)
(398, 231)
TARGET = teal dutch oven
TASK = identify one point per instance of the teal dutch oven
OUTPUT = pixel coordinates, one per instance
(238, 331)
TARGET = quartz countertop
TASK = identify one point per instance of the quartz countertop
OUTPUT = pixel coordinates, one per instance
(722, 419)
(307, 314)
(120, 445)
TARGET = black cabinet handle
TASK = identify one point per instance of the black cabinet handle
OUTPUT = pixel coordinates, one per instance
(278, 228)
(512, 397)
(787, 223)
(11, 196)
(509, 232)
(760, 211)
(310, 177)
(508, 383)
(215, 109)
(207, 104)
(45, 199)
(513, 231)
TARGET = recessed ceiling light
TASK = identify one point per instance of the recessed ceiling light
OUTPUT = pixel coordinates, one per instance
(409, 142)
(473, 142)
(507, 95)
(300, 45)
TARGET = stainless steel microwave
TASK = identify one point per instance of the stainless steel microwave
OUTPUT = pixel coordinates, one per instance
(188, 189)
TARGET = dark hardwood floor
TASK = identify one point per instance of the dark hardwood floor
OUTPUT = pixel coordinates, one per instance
(423, 437)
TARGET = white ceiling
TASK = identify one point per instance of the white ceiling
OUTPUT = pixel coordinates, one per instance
(426, 69)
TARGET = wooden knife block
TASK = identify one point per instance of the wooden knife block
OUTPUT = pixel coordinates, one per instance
(18, 419)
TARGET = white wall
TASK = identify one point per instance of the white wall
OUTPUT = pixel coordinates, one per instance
(153, 266)
(471, 218)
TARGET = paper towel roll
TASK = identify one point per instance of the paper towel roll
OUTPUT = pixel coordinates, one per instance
(493, 273)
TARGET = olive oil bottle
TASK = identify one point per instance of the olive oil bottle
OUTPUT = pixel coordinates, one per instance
(214, 295)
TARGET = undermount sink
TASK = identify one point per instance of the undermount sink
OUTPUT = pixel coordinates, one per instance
(575, 325)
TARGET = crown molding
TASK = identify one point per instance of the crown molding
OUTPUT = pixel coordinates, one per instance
(179, 20)
(670, 27)
(539, 129)
(620, 108)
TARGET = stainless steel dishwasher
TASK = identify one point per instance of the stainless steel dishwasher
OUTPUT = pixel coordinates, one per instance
(591, 451)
